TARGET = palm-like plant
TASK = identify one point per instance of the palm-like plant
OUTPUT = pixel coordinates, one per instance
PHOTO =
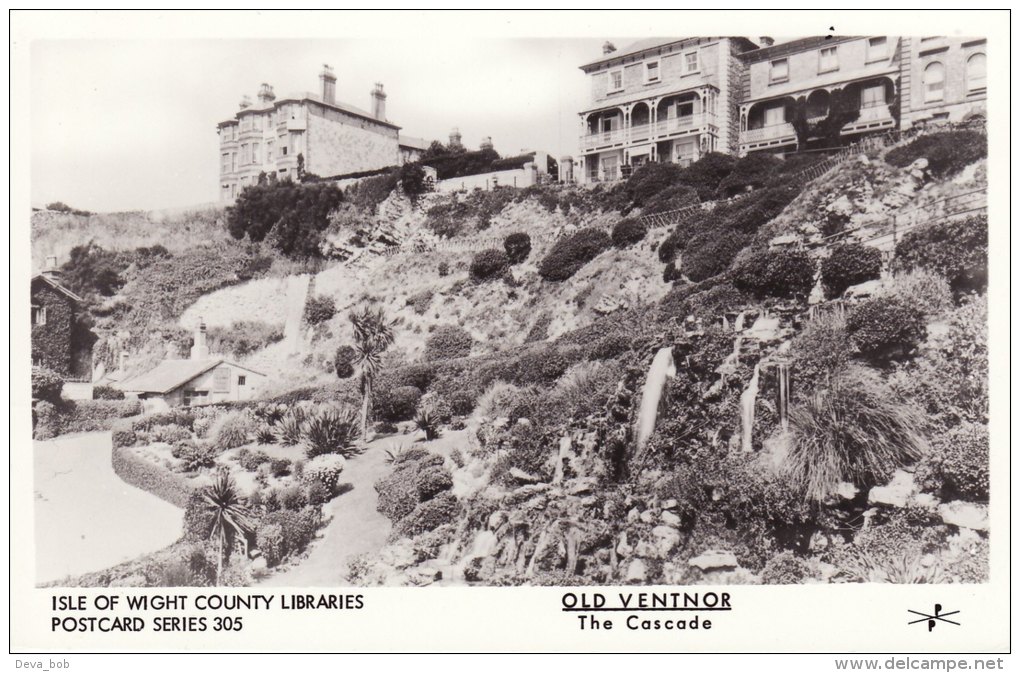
(373, 334)
(230, 517)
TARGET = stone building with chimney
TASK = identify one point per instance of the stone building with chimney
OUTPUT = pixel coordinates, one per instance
(307, 132)
(60, 341)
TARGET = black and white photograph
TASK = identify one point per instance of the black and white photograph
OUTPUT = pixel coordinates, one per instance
(611, 310)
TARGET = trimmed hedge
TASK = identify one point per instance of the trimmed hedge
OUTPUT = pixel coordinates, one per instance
(489, 264)
(569, 254)
(46, 384)
(81, 416)
(885, 327)
(517, 246)
(396, 404)
(628, 232)
(150, 477)
(776, 273)
(849, 264)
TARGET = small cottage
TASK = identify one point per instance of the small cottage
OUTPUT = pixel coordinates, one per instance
(60, 341)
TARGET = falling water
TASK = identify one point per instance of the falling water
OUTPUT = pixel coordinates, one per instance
(738, 324)
(662, 368)
(783, 375)
(747, 400)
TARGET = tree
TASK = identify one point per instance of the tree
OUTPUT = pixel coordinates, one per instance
(230, 517)
(373, 334)
(412, 180)
(844, 107)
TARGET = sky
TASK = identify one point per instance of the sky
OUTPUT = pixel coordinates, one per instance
(131, 124)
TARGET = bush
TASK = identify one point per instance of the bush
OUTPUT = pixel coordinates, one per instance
(46, 384)
(330, 430)
(398, 491)
(928, 291)
(785, 569)
(956, 468)
(427, 422)
(195, 454)
(710, 253)
(436, 405)
(569, 254)
(83, 416)
(855, 430)
(251, 460)
(849, 264)
(232, 429)
(290, 429)
(319, 309)
(295, 213)
(705, 174)
(448, 342)
(280, 467)
(489, 264)
(396, 404)
(243, 337)
(750, 172)
(517, 246)
(821, 350)
(285, 532)
(123, 435)
(443, 269)
(651, 179)
(170, 433)
(428, 515)
(150, 477)
(885, 328)
(954, 249)
(107, 393)
(776, 273)
(502, 399)
(671, 198)
(948, 152)
(325, 470)
(432, 481)
(293, 498)
(628, 232)
(343, 361)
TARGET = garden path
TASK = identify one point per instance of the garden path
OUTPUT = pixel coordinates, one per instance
(86, 517)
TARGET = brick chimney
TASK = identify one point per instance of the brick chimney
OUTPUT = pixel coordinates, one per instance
(608, 48)
(379, 102)
(245, 102)
(266, 93)
(51, 270)
(764, 42)
(328, 81)
(200, 349)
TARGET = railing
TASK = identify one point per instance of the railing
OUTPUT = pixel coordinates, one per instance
(766, 133)
(647, 131)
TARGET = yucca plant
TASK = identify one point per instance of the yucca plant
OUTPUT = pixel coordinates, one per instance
(373, 334)
(265, 435)
(854, 430)
(427, 421)
(290, 428)
(230, 517)
(330, 430)
(394, 452)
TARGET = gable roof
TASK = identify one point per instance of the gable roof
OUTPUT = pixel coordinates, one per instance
(170, 375)
(57, 286)
(300, 97)
(650, 43)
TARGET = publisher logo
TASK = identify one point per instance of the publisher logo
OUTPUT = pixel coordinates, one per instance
(933, 619)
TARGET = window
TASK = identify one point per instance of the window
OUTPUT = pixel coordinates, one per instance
(873, 96)
(246, 123)
(38, 315)
(609, 168)
(976, 76)
(245, 156)
(651, 72)
(241, 380)
(195, 397)
(37, 361)
(269, 151)
(615, 80)
(221, 380)
(255, 153)
(878, 49)
(226, 162)
(283, 150)
(780, 70)
(691, 63)
(775, 115)
(685, 112)
(934, 82)
(607, 126)
(828, 60)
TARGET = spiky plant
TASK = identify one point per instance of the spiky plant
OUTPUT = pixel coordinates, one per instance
(330, 430)
(427, 421)
(230, 517)
(897, 569)
(265, 435)
(854, 430)
(290, 428)
(373, 334)
(395, 452)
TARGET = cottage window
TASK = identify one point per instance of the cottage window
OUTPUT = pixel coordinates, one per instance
(38, 315)
(691, 64)
(976, 74)
(651, 72)
(878, 49)
(934, 82)
(828, 60)
(780, 70)
(242, 380)
(615, 80)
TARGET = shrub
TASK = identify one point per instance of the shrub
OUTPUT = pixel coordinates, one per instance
(947, 152)
(319, 309)
(428, 515)
(956, 468)
(885, 327)
(280, 467)
(427, 422)
(150, 477)
(517, 246)
(269, 540)
(954, 249)
(610, 346)
(123, 435)
(671, 198)
(251, 460)
(849, 264)
(231, 430)
(710, 253)
(195, 455)
(289, 431)
(432, 481)
(821, 350)
(295, 213)
(628, 232)
(855, 430)
(396, 404)
(785, 569)
(651, 179)
(46, 384)
(776, 273)
(436, 405)
(420, 301)
(293, 498)
(398, 491)
(343, 361)
(325, 470)
(569, 254)
(750, 172)
(244, 337)
(705, 174)
(285, 532)
(488, 264)
(330, 430)
(928, 291)
(443, 269)
(448, 342)
(502, 400)
(169, 433)
(107, 393)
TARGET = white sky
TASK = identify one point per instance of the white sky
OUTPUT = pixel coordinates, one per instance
(119, 125)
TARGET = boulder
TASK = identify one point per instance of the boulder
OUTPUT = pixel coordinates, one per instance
(259, 565)
(846, 490)
(714, 559)
(669, 503)
(523, 477)
(863, 290)
(666, 539)
(896, 493)
(670, 519)
(965, 515)
(633, 515)
(646, 516)
(581, 486)
(637, 571)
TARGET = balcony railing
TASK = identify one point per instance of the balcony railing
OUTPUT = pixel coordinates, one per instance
(768, 133)
(642, 132)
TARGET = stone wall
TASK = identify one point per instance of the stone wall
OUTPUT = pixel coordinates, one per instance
(348, 145)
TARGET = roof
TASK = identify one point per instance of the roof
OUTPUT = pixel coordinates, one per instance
(414, 143)
(648, 44)
(57, 286)
(794, 46)
(306, 96)
(170, 375)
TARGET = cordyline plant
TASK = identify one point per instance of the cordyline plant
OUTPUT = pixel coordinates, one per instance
(373, 334)
(230, 518)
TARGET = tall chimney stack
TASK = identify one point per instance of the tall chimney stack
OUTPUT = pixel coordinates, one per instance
(486, 143)
(328, 80)
(200, 349)
(266, 93)
(245, 102)
(379, 102)
(51, 271)
(455, 138)
(766, 42)
(608, 48)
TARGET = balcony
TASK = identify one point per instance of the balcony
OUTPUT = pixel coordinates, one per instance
(767, 136)
(873, 117)
(666, 128)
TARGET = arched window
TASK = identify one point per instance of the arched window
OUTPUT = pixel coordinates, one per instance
(976, 72)
(934, 82)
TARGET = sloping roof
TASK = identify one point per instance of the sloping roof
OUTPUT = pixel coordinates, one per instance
(656, 43)
(57, 286)
(414, 143)
(170, 375)
(303, 96)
